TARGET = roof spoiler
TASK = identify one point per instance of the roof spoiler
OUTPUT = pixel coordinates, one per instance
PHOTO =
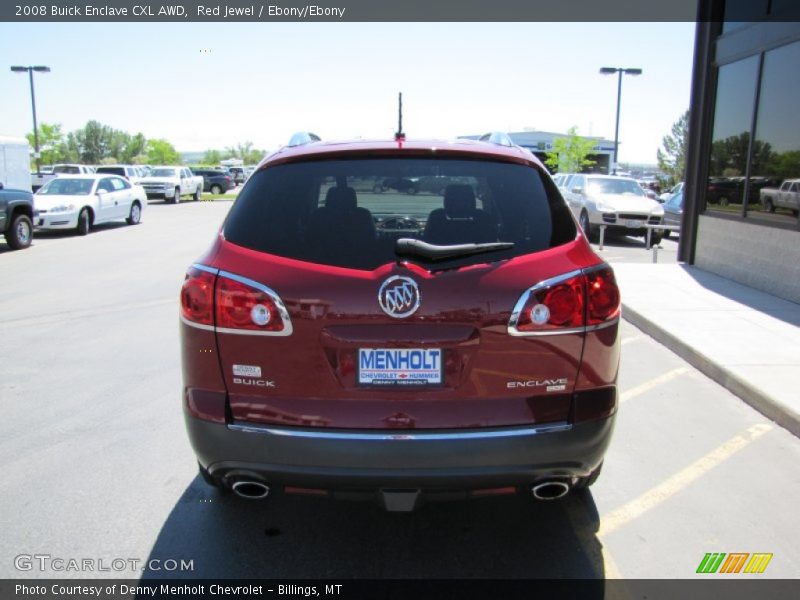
(303, 137)
(497, 137)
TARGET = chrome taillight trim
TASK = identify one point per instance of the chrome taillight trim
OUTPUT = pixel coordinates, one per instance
(397, 435)
(523, 300)
(284, 314)
(547, 283)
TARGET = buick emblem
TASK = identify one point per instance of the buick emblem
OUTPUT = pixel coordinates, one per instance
(399, 297)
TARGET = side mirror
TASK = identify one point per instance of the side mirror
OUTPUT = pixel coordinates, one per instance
(577, 190)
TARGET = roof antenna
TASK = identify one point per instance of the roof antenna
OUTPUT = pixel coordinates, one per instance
(399, 136)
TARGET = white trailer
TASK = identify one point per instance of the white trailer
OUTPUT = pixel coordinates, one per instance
(15, 163)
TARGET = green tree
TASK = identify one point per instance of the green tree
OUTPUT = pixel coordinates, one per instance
(134, 146)
(570, 152)
(51, 143)
(672, 156)
(212, 157)
(161, 152)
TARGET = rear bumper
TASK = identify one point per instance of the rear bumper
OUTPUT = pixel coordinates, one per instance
(357, 460)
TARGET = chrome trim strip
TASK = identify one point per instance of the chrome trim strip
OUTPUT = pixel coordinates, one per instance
(398, 436)
(200, 267)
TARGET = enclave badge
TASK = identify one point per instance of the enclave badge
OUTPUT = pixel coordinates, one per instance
(399, 297)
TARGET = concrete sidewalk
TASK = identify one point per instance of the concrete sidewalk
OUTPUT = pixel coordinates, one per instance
(746, 340)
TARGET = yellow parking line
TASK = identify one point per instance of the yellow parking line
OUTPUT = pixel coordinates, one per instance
(680, 480)
(655, 382)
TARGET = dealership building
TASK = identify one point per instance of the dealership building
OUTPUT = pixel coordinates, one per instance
(541, 142)
(744, 139)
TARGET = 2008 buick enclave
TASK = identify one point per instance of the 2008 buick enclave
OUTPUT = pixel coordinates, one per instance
(339, 341)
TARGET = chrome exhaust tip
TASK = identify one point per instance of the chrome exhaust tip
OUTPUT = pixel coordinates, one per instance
(550, 490)
(252, 490)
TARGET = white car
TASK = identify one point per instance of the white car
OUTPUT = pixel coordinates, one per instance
(619, 203)
(130, 172)
(80, 201)
(171, 183)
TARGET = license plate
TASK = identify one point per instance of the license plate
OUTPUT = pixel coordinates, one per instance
(635, 223)
(399, 366)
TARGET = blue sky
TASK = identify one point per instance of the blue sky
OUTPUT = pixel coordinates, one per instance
(212, 85)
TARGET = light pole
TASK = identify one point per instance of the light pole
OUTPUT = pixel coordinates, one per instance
(30, 70)
(620, 71)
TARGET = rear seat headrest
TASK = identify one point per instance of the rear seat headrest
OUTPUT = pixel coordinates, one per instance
(341, 198)
(459, 200)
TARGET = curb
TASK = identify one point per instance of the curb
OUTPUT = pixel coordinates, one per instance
(763, 403)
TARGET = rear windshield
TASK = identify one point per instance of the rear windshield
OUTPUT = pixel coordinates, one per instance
(112, 170)
(350, 213)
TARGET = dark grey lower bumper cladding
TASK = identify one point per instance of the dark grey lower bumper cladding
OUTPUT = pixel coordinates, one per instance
(364, 459)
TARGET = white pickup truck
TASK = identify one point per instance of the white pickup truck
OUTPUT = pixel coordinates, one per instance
(171, 183)
(39, 179)
(786, 196)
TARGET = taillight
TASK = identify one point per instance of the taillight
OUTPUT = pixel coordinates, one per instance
(197, 297)
(603, 296)
(567, 304)
(228, 303)
(555, 306)
(245, 305)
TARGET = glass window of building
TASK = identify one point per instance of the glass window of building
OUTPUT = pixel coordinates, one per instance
(776, 150)
(733, 114)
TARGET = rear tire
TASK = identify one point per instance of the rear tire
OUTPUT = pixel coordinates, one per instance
(84, 222)
(20, 234)
(135, 215)
(769, 206)
(216, 190)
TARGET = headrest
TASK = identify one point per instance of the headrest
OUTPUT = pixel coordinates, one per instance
(341, 198)
(459, 200)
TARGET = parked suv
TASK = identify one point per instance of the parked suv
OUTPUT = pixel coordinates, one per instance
(342, 342)
(16, 217)
(214, 181)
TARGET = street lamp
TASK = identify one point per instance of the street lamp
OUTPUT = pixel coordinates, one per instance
(30, 70)
(611, 71)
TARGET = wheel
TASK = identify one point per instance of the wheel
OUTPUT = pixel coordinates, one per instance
(723, 201)
(768, 205)
(586, 226)
(136, 214)
(84, 222)
(177, 198)
(667, 233)
(377, 188)
(585, 482)
(412, 190)
(216, 189)
(197, 194)
(655, 238)
(20, 234)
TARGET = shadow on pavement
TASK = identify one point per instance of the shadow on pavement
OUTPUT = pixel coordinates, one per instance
(305, 537)
(774, 306)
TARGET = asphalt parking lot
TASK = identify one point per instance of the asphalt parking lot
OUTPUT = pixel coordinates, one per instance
(97, 463)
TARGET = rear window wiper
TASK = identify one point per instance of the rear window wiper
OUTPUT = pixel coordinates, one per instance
(418, 248)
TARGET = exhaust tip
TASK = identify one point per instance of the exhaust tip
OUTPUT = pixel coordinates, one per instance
(550, 490)
(252, 490)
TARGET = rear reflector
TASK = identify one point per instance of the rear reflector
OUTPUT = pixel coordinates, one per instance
(570, 303)
(501, 491)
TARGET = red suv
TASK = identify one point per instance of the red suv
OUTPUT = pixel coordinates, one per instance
(343, 342)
